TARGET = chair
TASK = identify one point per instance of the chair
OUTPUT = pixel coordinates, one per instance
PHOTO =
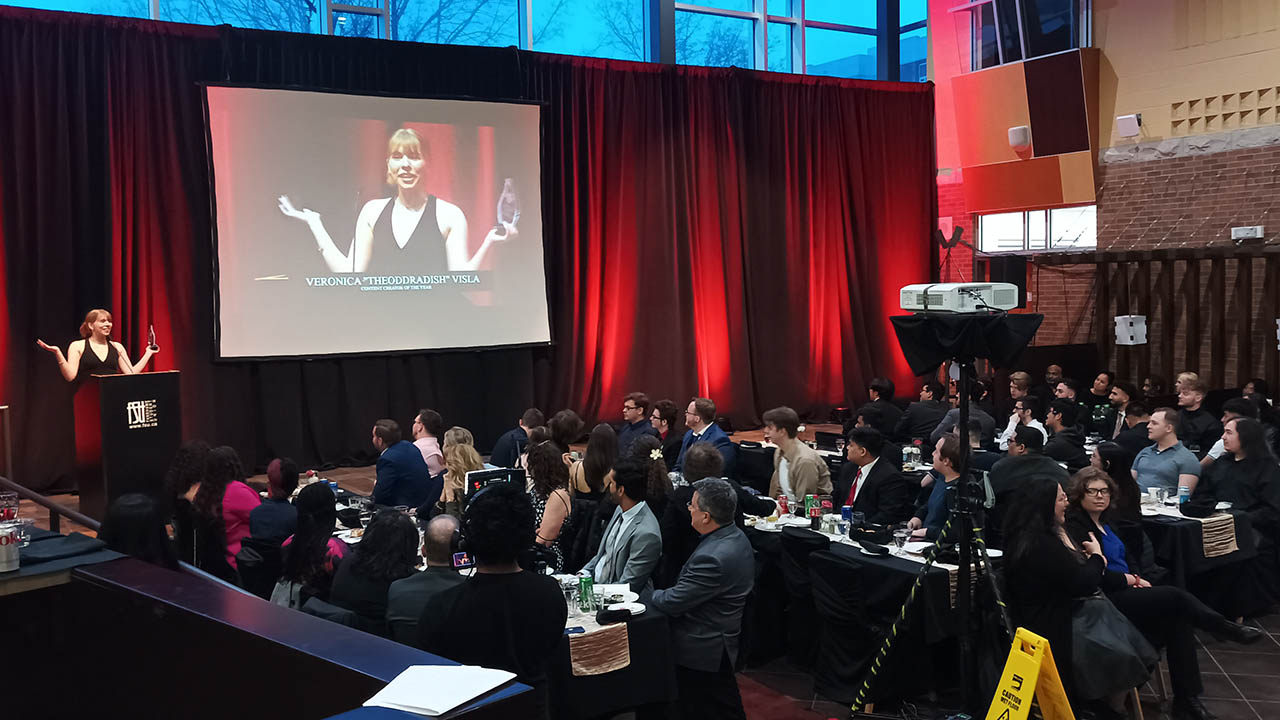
(797, 545)
(755, 467)
(261, 562)
(848, 637)
(329, 611)
(573, 534)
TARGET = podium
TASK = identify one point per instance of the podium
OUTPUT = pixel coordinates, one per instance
(128, 428)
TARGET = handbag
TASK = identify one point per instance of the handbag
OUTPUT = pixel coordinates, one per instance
(1109, 655)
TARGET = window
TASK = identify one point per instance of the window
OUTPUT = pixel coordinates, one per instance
(121, 8)
(840, 53)
(859, 13)
(780, 47)
(714, 40)
(354, 24)
(1003, 31)
(596, 28)
(913, 52)
(1073, 228)
(259, 14)
(455, 22)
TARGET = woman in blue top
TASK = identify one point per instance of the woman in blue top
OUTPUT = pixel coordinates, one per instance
(1165, 615)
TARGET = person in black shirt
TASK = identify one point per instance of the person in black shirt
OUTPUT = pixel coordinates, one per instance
(635, 421)
(507, 451)
(276, 518)
(1198, 429)
(881, 393)
(1099, 416)
(502, 617)
(922, 417)
(387, 552)
(1065, 444)
(1133, 436)
(668, 420)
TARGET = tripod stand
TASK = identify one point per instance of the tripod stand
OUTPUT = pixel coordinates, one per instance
(929, 339)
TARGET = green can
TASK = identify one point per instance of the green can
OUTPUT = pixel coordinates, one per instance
(586, 596)
(810, 502)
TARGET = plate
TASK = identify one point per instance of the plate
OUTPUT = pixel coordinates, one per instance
(793, 521)
(769, 527)
(917, 548)
(619, 589)
(635, 607)
(1224, 505)
(994, 553)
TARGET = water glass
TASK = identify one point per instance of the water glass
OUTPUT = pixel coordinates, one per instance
(570, 596)
(900, 535)
(1162, 494)
(857, 519)
(842, 527)
(8, 506)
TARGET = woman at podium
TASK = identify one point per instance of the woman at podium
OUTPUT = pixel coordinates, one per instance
(96, 353)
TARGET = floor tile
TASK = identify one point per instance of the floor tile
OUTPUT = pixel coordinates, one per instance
(1230, 709)
(1220, 687)
(793, 685)
(1248, 663)
(1258, 687)
(1270, 622)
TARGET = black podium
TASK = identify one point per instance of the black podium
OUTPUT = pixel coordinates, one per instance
(128, 428)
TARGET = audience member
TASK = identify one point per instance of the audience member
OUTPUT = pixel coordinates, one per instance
(223, 498)
(1164, 615)
(200, 534)
(700, 417)
(586, 476)
(1096, 413)
(549, 494)
(1025, 410)
(1122, 393)
(1019, 387)
(566, 429)
(276, 518)
(635, 421)
(428, 426)
(930, 518)
(1247, 476)
(388, 551)
(1067, 389)
(1257, 386)
(705, 606)
(1046, 391)
(923, 416)
(880, 392)
(798, 469)
(1026, 460)
(502, 617)
(647, 450)
(870, 418)
(1117, 462)
(980, 459)
(870, 486)
(407, 597)
(1153, 387)
(403, 478)
(313, 554)
(666, 420)
(460, 458)
(1231, 409)
(1197, 428)
(1135, 436)
(977, 391)
(632, 540)
(1183, 380)
(1066, 444)
(509, 448)
(1166, 463)
(134, 526)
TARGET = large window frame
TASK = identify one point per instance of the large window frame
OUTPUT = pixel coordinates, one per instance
(1039, 231)
(1008, 20)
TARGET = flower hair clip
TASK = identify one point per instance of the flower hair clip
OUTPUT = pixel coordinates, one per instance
(655, 454)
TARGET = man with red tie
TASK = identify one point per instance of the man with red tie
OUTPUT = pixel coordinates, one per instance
(872, 486)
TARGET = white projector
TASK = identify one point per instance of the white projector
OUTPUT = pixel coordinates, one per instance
(959, 297)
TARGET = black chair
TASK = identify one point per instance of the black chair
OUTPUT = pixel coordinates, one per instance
(573, 539)
(848, 638)
(261, 562)
(329, 611)
(755, 467)
(797, 545)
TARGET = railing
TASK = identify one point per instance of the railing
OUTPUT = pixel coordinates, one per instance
(56, 511)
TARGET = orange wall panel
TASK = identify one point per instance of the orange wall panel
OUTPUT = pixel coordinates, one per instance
(1017, 185)
(987, 104)
(1076, 171)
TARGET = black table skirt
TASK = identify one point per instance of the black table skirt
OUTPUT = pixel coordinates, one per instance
(648, 681)
(1230, 584)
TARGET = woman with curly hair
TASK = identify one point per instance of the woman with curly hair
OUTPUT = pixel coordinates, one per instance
(459, 459)
(215, 517)
(648, 450)
(387, 552)
(549, 492)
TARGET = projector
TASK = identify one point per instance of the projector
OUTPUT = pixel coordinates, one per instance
(958, 297)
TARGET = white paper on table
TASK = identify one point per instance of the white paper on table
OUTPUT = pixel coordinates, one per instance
(437, 689)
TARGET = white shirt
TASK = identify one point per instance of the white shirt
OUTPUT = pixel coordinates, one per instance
(1218, 450)
(784, 480)
(862, 477)
(610, 543)
(1007, 435)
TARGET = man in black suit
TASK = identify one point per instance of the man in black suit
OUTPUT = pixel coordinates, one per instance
(1133, 436)
(506, 452)
(706, 604)
(922, 417)
(665, 418)
(407, 597)
(1024, 461)
(881, 393)
(871, 486)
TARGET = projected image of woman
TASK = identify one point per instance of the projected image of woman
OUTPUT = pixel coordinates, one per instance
(411, 232)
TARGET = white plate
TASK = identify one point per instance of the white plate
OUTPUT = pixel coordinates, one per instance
(767, 527)
(994, 553)
(917, 548)
(635, 607)
(793, 521)
(1224, 505)
(620, 589)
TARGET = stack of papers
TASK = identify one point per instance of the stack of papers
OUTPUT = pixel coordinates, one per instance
(437, 689)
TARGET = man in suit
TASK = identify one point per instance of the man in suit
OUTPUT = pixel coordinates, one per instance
(871, 486)
(506, 452)
(1122, 393)
(407, 597)
(881, 393)
(922, 417)
(635, 422)
(870, 418)
(700, 416)
(665, 418)
(1133, 436)
(705, 606)
(798, 469)
(403, 477)
(977, 391)
(632, 541)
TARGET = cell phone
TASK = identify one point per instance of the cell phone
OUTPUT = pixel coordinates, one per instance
(462, 560)
(575, 456)
(574, 630)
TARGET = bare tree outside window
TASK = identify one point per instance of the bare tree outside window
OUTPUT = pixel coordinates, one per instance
(454, 22)
(287, 15)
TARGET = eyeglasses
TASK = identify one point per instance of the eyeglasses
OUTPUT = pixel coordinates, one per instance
(630, 407)
(1097, 492)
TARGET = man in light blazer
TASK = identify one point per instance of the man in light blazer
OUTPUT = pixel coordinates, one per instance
(705, 606)
(632, 541)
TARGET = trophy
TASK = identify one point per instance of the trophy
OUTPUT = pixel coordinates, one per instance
(151, 339)
(508, 205)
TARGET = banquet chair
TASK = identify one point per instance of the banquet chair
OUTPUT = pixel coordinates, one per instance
(260, 562)
(797, 545)
(329, 611)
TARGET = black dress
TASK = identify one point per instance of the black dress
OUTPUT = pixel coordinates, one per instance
(91, 365)
(423, 254)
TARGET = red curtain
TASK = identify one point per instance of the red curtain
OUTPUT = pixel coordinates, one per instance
(725, 233)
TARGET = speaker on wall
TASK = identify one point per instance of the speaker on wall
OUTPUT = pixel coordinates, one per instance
(1010, 269)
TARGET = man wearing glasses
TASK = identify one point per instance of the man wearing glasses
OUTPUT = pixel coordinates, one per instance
(635, 421)
(1024, 410)
(700, 416)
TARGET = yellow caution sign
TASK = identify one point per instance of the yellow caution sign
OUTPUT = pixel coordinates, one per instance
(1030, 672)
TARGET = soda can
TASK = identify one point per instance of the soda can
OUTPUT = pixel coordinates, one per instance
(783, 509)
(586, 590)
(9, 542)
(1184, 494)
(810, 501)
(846, 512)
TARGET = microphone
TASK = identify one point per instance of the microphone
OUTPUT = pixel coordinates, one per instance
(151, 338)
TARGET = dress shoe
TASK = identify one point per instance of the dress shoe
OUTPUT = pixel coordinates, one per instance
(1190, 708)
(1237, 633)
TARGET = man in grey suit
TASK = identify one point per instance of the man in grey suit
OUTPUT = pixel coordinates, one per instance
(407, 597)
(632, 541)
(705, 605)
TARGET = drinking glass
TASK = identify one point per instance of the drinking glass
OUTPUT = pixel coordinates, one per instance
(8, 506)
(842, 527)
(1162, 494)
(900, 535)
(571, 596)
(402, 509)
(840, 446)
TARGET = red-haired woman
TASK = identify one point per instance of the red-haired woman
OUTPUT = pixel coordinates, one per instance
(97, 353)
(414, 231)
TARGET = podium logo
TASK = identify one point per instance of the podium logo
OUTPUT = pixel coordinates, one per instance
(142, 414)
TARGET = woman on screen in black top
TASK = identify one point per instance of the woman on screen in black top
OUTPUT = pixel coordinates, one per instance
(97, 353)
(412, 232)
